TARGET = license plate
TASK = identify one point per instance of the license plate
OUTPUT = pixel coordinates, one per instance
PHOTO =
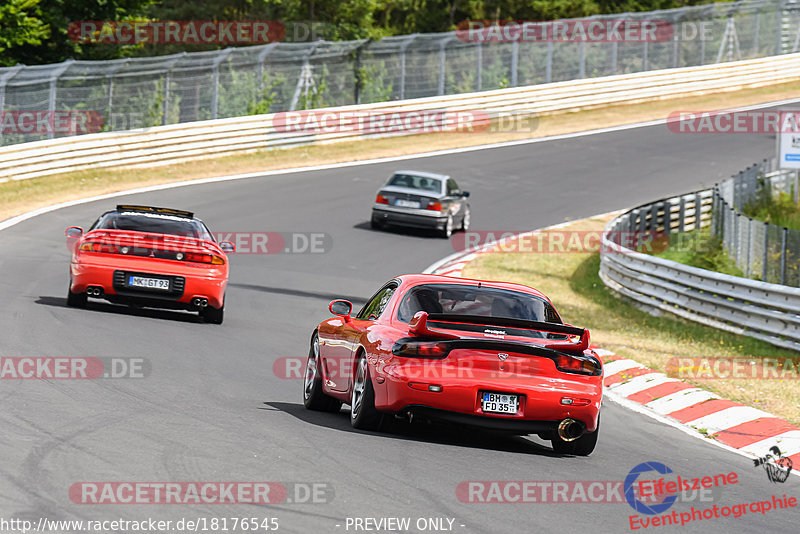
(148, 283)
(499, 402)
(406, 203)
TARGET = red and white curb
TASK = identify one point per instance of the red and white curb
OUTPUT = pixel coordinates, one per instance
(731, 425)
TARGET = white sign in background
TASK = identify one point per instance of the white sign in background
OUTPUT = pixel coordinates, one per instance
(789, 140)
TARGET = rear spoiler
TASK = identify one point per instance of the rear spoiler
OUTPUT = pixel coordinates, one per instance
(153, 209)
(419, 326)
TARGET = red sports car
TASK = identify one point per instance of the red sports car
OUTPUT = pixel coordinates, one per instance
(147, 256)
(486, 354)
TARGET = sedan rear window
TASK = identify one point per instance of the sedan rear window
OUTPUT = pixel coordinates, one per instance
(155, 224)
(416, 182)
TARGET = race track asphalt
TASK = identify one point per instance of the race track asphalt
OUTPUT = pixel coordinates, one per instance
(212, 408)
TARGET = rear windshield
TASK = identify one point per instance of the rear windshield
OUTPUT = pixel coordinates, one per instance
(416, 182)
(152, 223)
(454, 299)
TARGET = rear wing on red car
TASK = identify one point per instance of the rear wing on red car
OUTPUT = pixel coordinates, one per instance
(498, 327)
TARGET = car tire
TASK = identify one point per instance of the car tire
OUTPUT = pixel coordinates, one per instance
(447, 231)
(314, 398)
(363, 414)
(375, 224)
(76, 300)
(583, 446)
(213, 315)
(465, 221)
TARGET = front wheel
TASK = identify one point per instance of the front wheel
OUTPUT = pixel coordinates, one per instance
(466, 220)
(313, 396)
(583, 446)
(363, 414)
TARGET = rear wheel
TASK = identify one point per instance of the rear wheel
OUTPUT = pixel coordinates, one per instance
(213, 315)
(376, 224)
(76, 300)
(363, 414)
(313, 396)
(583, 446)
(466, 220)
(447, 231)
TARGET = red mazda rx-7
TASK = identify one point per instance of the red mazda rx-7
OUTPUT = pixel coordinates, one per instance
(148, 256)
(486, 354)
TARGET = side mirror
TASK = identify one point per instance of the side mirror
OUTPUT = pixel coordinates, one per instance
(227, 247)
(342, 308)
(74, 232)
(465, 194)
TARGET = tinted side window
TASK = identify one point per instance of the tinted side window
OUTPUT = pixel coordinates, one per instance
(452, 188)
(374, 308)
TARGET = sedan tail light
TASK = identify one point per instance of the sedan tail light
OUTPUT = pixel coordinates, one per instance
(99, 247)
(205, 258)
(435, 206)
(577, 364)
(380, 199)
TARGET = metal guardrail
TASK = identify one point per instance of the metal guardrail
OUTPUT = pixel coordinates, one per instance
(141, 92)
(163, 145)
(762, 310)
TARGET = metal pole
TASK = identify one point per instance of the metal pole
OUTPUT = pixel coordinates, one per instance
(479, 69)
(783, 255)
(51, 100)
(766, 242)
(582, 66)
(3, 81)
(749, 246)
(215, 88)
(261, 57)
(614, 47)
(515, 63)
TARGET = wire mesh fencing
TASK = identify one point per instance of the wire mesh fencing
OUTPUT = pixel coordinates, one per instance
(281, 76)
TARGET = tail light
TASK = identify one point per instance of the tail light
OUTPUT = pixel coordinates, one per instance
(380, 199)
(99, 247)
(581, 365)
(435, 206)
(421, 349)
(204, 258)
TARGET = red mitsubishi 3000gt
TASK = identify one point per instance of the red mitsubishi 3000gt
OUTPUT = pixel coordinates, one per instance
(486, 354)
(147, 256)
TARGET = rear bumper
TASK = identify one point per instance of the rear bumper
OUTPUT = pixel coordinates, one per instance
(409, 217)
(203, 282)
(459, 399)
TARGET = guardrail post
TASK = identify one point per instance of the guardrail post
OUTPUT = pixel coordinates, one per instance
(681, 215)
(698, 211)
(737, 227)
(784, 232)
(749, 246)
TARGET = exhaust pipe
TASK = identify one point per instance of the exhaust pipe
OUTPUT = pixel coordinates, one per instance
(199, 302)
(570, 429)
(94, 291)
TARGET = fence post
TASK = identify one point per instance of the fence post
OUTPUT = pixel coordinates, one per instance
(614, 52)
(51, 99)
(582, 64)
(644, 56)
(359, 80)
(698, 211)
(479, 69)
(681, 215)
(215, 89)
(766, 255)
(515, 63)
(3, 81)
(784, 231)
(749, 247)
(261, 57)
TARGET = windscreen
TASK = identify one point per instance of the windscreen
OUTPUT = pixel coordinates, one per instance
(454, 299)
(416, 182)
(156, 224)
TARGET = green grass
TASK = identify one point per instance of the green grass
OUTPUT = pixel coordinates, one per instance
(699, 248)
(780, 210)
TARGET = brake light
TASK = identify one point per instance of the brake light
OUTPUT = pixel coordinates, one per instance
(579, 365)
(435, 206)
(380, 199)
(422, 349)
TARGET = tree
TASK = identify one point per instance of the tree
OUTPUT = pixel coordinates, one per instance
(20, 25)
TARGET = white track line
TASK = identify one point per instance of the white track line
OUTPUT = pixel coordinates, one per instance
(617, 366)
(679, 400)
(728, 418)
(642, 383)
(788, 442)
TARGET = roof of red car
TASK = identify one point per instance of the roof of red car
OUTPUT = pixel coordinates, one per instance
(416, 279)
